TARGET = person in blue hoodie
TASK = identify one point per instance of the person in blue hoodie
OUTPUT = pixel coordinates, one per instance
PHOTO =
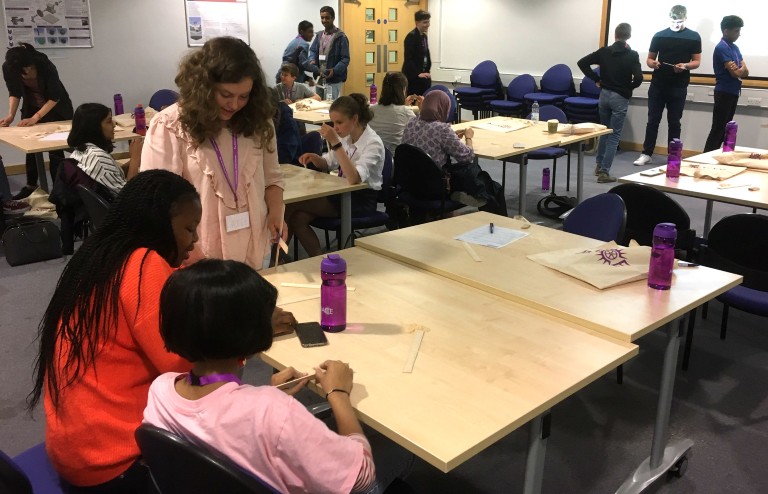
(330, 53)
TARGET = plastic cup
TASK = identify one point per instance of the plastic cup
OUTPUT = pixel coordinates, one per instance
(552, 126)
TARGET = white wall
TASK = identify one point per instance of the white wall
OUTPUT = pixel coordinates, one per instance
(138, 44)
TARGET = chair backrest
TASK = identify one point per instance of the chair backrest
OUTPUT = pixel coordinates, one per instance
(602, 217)
(312, 142)
(558, 79)
(29, 472)
(96, 206)
(12, 478)
(484, 75)
(520, 86)
(588, 88)
(387, 175)
(646, 208)
(738, 244)
(163, 98)
(549, 112)
(179, 466)
(439, 87)
(417, 173)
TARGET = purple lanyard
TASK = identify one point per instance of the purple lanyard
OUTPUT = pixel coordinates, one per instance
(325, 40)
(288, 92)
(341, 172)
(233, 188)
(212, 378)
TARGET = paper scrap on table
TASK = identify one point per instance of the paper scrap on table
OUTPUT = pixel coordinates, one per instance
(323, 111)
(498, 239)
(418, 335)
(56, 136)
(502, 126)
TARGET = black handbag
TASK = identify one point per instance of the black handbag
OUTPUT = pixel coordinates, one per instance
(31, 241)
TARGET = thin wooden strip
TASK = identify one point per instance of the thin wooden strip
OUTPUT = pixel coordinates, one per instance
(471, 252)
(418, 335)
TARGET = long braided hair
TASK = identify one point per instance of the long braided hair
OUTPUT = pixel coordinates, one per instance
(83, 311)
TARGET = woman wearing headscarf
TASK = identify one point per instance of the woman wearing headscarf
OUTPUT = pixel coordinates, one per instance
(432, 134)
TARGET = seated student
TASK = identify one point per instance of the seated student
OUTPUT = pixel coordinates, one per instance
(216, 314)
(287, 132)
(390, 115)
(432, 134)
(100, 345)
(357, 151)
(93, 131)
(291, 90)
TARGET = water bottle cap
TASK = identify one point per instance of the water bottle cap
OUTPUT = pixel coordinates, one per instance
(333, 263)
(118, 95)
(732, 123)
(665, 230)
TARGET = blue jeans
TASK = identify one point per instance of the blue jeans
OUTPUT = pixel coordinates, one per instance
(613, 112)
(336, 88)
(673, 98)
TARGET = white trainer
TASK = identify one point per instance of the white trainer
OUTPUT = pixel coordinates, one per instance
(644, 159)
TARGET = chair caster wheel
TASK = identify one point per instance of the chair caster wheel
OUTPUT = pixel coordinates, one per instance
(679, 468)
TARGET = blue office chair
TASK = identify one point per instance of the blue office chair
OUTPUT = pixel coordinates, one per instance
(514, 105)
(423, 187)
(602, 217)
(736, 244)
(485, 86)
(370, 220)
(556, 85)
(30, 472)
(312, 142)
(585, 106)
(163, 98)
(452, 117)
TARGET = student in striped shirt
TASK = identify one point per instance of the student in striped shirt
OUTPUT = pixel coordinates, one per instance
(91, 137)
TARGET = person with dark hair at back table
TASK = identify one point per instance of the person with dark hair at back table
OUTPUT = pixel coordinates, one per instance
(330, 54)
(620, 73)
(673, 54)
(31, 77)
(297, 53)
(730, 68)
(391, 113)
(416, 58)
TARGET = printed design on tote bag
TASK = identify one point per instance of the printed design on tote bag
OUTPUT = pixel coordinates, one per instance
(613, 257)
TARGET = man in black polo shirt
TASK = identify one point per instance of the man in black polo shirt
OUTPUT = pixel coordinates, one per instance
(620, 73)
(674, 52)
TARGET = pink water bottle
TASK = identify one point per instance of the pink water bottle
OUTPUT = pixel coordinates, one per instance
(374, 93)
(545, 179)
(333, 294)
(662, 256)
(674, 157)
(119, 104)
(141, 120)
(729, 143)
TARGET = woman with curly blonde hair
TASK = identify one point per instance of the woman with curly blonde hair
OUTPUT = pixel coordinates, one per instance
(220, 137)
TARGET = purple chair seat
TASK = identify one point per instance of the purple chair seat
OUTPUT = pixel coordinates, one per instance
(36, 465)
(746, 299)
(581, 101)
(545, 98)
(504, 106)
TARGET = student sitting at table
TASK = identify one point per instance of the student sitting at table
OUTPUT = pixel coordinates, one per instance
(429, 132)
(357, 152)
(216, 314)
(287, 131)
(391, 113)
(291, 90)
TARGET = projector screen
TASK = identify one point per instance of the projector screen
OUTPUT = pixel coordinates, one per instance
(704, 16)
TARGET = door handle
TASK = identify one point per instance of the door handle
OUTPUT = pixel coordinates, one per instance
(386, 58)
(378, 58)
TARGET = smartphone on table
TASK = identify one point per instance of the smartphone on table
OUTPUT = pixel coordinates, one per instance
(311, 334)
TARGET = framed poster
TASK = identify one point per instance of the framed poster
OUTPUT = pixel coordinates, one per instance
(48, 23)
(208, 19)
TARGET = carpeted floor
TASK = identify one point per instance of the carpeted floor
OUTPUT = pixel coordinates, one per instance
(598, 435)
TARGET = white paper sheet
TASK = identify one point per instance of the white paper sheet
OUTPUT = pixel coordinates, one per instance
(501, 126)
(56, 136)
(498, 239)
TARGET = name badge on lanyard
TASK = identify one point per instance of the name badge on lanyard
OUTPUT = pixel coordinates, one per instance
(322, 58)
(236, 221)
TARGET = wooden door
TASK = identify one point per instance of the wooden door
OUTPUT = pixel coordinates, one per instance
(376, 30)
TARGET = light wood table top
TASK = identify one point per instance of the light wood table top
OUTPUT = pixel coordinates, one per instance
(28, 139)
(625, 312)
(708, 157)
(499, 145)
(302, 184)
(486, 366)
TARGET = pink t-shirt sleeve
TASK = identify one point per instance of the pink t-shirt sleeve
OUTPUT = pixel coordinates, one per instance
(162, 149)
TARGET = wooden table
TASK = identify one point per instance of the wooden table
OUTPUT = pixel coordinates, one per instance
(708, 190)
(500, 145)
(486, 366)
(29, 140)
(626, 312)
(708, 159)
(302, 184)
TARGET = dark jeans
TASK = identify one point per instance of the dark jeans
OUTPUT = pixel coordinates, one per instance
(135, 480)
(673, 98)
(722, 113)
(55, 158)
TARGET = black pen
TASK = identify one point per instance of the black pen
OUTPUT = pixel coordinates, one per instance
(491, 227)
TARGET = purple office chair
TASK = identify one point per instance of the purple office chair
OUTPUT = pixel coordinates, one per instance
(585, 106)
(514, 105)
(485, 86)
(556, 85)
(29, 472)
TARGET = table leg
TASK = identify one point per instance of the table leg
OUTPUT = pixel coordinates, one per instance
(42, 175)
(580, 172)
(346, 220)
(664, 456)
(708, 218)
(523, 185)
(537, 449)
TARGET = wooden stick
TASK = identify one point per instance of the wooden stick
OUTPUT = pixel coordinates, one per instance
(471, 252)
(418, 335)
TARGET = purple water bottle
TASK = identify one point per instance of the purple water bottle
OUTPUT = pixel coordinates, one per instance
(545, 179)
(333, 294)
(662, 256)
(674, 156)
(141, 120)
(374, 93)
(119, 104)
(729, 143)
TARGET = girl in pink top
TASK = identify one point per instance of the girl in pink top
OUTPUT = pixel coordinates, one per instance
(214, 313)
(220, 137)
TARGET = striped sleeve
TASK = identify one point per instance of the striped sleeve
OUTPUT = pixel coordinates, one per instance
(367, 474)
(102, 167)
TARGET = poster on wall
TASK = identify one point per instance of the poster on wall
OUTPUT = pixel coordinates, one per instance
(48, 23)
(208, 19)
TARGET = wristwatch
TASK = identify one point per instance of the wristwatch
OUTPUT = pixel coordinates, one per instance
(336, 146)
